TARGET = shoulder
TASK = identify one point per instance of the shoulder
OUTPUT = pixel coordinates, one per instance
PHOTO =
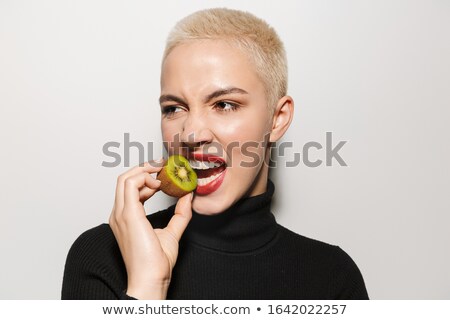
(318, 254)
(93, 246)
(307, 245)
(94, 267)
(344, 277)
(99, 245)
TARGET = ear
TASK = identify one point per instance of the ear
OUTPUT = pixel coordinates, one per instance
(282, 118)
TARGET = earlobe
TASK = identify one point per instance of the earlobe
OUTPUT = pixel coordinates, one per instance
(282, 118)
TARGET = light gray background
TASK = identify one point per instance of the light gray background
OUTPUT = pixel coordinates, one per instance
(77, 74)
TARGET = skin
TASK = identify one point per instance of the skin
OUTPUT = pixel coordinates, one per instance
(191, 73)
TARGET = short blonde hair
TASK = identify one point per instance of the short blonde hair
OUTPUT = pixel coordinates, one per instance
(249, 33)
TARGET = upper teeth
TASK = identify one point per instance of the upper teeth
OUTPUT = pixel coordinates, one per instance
(202, 165)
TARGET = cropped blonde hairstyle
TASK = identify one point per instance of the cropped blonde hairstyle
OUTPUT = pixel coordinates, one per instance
(247, 32)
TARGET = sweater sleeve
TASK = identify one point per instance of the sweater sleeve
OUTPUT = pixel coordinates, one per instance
(347, 281)
(94, 268)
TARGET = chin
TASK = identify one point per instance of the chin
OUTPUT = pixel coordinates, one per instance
(210, 205)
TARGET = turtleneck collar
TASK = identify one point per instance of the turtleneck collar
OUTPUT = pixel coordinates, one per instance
(246, 226)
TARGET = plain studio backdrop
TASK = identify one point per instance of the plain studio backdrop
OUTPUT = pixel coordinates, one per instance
(75, 75)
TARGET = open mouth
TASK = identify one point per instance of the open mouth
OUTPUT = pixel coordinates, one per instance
(210, 172)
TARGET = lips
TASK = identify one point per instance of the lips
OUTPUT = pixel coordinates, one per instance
(210, 171)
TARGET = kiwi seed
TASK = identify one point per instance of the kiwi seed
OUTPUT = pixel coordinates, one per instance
(177, 177)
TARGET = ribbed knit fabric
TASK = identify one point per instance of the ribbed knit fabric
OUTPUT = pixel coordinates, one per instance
(241, 253)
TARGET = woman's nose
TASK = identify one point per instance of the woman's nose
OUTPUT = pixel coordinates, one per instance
(196, 130)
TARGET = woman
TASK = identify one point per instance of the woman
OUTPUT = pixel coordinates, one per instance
(223, 100)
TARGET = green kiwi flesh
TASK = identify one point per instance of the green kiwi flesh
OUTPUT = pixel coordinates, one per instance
(177, 177)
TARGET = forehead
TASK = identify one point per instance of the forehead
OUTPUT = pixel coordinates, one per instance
(202, 65)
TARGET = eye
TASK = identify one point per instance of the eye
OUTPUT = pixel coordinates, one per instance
(171, 110)
(226, 106)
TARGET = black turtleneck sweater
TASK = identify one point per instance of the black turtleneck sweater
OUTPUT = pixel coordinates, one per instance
(241, 253)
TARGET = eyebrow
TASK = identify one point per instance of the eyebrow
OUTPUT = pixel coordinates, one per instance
(208, 98)
(222, 92)
(170, 97)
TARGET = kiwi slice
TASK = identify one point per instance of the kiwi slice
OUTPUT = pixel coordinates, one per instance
(177, 177)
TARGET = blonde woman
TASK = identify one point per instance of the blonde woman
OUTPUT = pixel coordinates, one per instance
(223, 84)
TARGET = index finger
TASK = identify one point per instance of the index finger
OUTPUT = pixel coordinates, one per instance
(149, 167)
(152, 165)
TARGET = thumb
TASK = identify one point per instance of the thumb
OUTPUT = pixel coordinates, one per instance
(182, 216)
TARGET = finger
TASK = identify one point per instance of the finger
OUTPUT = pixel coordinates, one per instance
(159, 163)
(150, 167)
(146, 193)
(182, 216)
(151, 187)
(134, 184)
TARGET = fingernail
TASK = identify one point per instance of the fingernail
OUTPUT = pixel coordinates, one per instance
(156, 163)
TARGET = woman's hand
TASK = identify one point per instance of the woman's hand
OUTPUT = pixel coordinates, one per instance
(149, 254)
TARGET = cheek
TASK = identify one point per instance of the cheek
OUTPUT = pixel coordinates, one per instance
(245, 137)
(169, 130)
(170, 133)
(242, 128)
(165, 131)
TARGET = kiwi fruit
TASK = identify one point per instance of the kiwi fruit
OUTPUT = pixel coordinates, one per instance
(177, 177)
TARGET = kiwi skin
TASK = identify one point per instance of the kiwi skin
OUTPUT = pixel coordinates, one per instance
(167, 186)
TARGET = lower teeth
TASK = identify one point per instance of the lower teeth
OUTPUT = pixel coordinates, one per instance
(205, 181)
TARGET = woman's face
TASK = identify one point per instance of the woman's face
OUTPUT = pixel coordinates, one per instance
(214, 112)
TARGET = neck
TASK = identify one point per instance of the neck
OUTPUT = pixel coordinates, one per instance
(260, 184)
(244, 227)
